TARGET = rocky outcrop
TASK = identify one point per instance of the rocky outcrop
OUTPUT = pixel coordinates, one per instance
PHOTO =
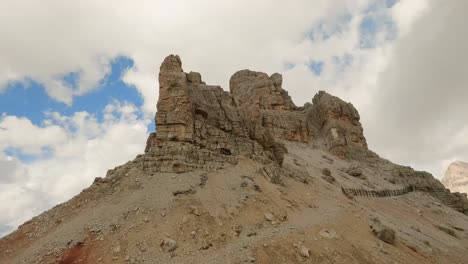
(198, 125)
(456, 177)
(259, 91)
(424, 182)
(338, 124)
(203, 127)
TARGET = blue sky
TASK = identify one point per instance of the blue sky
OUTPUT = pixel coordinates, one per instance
(32, 101)
(29, 99)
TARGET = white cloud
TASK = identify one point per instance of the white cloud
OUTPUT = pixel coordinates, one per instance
(89, 148)
(407, 12)
(44, 41)
(421, 95)
(11, 170)
(20, 133)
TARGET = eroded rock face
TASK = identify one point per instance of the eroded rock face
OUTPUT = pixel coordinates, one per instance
(174, 120)
(203, 127)
(199, 126)
(338, 123)
(259, 91)
(425, 182)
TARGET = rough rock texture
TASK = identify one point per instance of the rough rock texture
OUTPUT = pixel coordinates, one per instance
(259, 91)
(247, 176)
(338, 124)
(198, 125)
(456, 177)
(423, 181)
(202, 126)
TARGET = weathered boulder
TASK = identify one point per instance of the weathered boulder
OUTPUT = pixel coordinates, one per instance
(382, 231)
(304, 251)
(354, 171)
(168, 245)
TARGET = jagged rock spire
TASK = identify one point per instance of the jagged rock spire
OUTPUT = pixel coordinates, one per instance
(257, 111)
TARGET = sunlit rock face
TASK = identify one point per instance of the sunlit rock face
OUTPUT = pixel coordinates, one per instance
(456, 177)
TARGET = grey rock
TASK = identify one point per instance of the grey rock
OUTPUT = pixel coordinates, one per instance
(304, 251)
(354, 171)
(326, 172)
(168, 245)
(382, 232)
(269, 216)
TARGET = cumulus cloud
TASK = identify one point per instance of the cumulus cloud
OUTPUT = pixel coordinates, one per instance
(420, 99)
(20, 133)
(11, 170)
(52, 39)
(89, 148)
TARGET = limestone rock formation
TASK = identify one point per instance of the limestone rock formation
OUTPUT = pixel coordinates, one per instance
(338, 124)
(203, 126)
(259, 91)
(456, 177)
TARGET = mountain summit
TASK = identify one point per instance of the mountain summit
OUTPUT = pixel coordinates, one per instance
(246, 176)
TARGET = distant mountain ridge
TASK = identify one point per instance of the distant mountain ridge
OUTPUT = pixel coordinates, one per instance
(456, 177)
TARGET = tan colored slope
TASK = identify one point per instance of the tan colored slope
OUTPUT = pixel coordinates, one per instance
(223, 221)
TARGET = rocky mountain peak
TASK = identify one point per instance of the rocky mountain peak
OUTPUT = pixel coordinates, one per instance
(252, 119)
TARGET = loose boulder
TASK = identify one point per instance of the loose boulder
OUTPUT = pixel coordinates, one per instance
(382, 232)
(354, 171)
(168, 245)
